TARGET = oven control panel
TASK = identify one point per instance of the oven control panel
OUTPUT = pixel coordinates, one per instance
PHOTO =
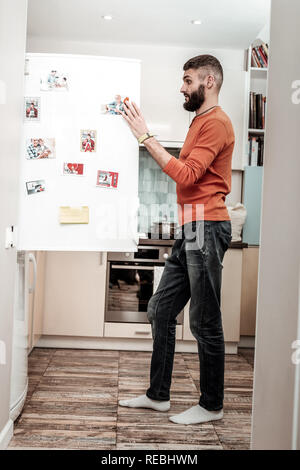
(149, 254)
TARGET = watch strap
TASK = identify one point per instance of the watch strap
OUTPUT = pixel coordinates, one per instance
(144, 137)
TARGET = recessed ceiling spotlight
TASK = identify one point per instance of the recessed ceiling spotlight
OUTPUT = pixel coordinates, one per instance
(106, 17)
(196, 22)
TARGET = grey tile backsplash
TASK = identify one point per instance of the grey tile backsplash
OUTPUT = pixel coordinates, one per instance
(157, 192)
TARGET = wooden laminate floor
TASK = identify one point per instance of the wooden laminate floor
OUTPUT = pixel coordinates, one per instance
(73, 395)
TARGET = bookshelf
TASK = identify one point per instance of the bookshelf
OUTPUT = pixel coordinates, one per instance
(256, 82)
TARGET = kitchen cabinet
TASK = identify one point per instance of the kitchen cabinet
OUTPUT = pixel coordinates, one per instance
(133, 330)
(74, 294)
(249, 290)
(77, 308)
(162, 103)
(230, 298)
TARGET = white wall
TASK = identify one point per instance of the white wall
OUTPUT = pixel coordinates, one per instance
(277, 327)
(12, 49)
(161, 64)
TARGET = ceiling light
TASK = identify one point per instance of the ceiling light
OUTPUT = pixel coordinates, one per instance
(196, 22)
(107, 17)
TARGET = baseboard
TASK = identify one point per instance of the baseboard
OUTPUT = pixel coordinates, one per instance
(121, 344)
(6, 434)
(247, 342)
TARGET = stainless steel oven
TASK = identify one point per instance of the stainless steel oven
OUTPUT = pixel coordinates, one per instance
(130, 283)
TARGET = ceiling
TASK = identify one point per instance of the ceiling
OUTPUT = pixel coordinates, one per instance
(225, 23)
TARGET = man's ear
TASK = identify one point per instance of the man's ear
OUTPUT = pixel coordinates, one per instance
(210, 81)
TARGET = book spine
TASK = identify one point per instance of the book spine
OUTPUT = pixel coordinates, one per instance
(249, 150)
(254, 152)
(265, 60)
(254, 111)
(266, 50)
(263, 111)
(259, 58)
(255, 60)
(260, 111)
(262, 152)
(259, 140)
(257, 111)
(250, 109)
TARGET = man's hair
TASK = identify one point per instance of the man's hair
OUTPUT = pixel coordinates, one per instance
(209, 65)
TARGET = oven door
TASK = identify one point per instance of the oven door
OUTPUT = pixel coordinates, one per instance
(128, 291)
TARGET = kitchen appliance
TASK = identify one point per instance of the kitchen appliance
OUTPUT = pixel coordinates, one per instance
(19, 373)
(130, 283)
(164, 229)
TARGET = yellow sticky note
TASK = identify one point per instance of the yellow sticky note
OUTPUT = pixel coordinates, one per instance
(73, 215)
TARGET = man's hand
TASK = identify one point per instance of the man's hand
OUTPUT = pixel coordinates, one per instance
(135, 119)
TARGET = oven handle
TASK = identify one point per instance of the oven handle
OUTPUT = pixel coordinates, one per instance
(122, 266)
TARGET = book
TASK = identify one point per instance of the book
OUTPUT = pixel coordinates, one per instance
(257, 107)
(261, 62)
(249, 150)
(254, 152)
(259, 56)
(264, 58)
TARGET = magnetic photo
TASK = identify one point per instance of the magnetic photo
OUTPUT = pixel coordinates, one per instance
(32, 109)
(88, 140)
(73, 168)
(36, 186)
(54, 81)
(40, 148)
(107, 179)
(115, 105)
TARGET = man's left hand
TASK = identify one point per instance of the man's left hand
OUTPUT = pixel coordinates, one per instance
(134, 119)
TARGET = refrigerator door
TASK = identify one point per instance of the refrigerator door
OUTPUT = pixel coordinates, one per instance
(19, 372)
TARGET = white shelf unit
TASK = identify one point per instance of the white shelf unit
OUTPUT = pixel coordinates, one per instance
(256, 80)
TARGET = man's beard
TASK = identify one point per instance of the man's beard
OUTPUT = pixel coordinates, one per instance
(196, 99)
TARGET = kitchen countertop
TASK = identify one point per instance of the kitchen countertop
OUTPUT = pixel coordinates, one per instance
(161, 242)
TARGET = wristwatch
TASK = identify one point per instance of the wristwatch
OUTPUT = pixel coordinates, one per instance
(144, 137)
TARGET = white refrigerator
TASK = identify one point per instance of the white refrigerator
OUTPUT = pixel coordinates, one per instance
(65, 115)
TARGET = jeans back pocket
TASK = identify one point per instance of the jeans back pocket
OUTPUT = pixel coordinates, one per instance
(224, 232)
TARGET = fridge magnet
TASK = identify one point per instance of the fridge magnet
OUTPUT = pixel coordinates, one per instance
(114, 106)
(40, 148)
(73, 168)
(32, 109)
(36, 186)
(88, 141)
(54, 81)
(73, 215)
(107, 179)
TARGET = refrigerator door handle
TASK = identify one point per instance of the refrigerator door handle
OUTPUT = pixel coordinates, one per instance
(31, 258)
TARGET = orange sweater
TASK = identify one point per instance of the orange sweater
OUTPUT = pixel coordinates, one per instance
(203, 171)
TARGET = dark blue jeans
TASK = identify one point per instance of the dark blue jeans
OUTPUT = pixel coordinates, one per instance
(193, 271)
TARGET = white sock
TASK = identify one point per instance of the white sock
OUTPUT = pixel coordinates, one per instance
(144, 402)
(196, 414)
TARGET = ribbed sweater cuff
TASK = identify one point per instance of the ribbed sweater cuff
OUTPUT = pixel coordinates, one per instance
(170, 166)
